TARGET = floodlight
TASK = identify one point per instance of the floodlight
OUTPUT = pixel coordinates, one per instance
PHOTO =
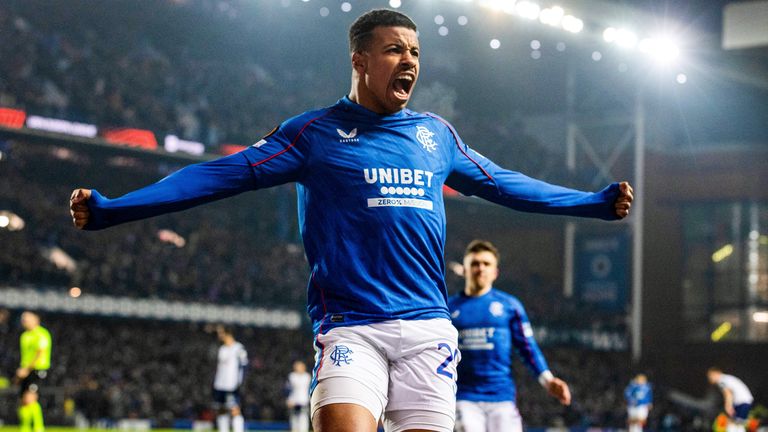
(527, 9)
(552, 16)
(626, 38)
(572, 24)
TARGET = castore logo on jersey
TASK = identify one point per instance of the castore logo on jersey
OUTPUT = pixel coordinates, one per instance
(348, 137)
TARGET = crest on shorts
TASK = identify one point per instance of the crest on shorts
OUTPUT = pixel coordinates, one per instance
(341, 354)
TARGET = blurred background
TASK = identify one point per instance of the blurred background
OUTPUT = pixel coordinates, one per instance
(669, 95)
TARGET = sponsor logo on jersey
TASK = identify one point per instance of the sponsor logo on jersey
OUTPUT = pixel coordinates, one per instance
(400, 202)
(479, 338)
(399, 177)
(350, 136)
(424, 136)
(341, 354)
(456, 314)
(399, 185)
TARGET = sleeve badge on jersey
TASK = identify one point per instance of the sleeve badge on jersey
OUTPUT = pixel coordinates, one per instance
(527, 330)
(263, 140)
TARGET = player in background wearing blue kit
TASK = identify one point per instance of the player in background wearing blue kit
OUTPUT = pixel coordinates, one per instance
(639, 397)
(369, 176)
(491, 323)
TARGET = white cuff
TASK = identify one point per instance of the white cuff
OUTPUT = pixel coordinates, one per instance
(545, 377)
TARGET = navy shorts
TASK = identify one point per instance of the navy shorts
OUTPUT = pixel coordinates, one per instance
(741, 411)
(226, 399)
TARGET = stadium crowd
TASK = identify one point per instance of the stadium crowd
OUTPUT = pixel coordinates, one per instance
(128, 69)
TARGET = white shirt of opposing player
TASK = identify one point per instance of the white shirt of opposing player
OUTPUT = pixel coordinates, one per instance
(741, 393)
(232, 359)
(299, 388)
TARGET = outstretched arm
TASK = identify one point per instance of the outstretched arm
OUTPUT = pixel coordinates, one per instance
(276, 159)
(188, 187)
(530, 353)
(474, 174)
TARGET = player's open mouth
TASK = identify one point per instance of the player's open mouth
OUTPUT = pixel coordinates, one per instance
(402, 85)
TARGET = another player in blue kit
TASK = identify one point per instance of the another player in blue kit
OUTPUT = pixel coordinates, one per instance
(639, 396)
(491, 323)
(369, 175)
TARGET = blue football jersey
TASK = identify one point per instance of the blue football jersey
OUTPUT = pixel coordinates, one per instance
(490, 326)
(638, 394)
(370, 204)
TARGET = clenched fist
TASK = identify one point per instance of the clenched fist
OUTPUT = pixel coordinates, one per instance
(624, 200)
(78, 207)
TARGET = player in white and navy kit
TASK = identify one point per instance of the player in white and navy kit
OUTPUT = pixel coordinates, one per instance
(230, 368)
(491, 323)
(639, 397)
(298, 397)
(369, 176)
(737, 399)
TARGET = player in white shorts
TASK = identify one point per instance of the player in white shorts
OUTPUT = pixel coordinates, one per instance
(402, 371)
(298, 397)
(230, 366)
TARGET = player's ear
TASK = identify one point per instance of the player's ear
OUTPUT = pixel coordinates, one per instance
(358, 62)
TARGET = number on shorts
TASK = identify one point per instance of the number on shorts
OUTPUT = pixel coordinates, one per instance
(451, 355)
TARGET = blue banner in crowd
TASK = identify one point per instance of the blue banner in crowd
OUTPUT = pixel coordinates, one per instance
(602, 270)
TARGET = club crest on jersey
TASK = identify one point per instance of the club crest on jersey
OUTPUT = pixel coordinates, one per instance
(350, 136)
(341, 354)
(496, 309)
(424, 136)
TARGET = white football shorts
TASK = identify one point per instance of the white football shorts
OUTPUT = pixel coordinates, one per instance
(638, 413)
(402, 371)
(474, 416)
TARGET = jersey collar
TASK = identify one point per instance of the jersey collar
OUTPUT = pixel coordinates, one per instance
(348, 105)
